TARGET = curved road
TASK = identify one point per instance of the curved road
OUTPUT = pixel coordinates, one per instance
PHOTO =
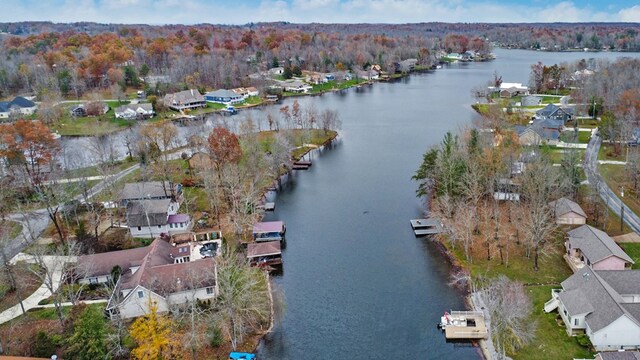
(35, 222)
(609, 196)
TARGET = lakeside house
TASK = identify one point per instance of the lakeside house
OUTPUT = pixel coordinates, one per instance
(101, 268)
(265, 253)
(246, 92)
(509, 90)
(157, 278)
(567, 212)
(223, 96)
(603, 304)
(134, 111)
(589, 247)
(184, 100)
(554, 112)
(269, 231)
(367, 74)
(17, 107)
(152, 218)
(297, 87)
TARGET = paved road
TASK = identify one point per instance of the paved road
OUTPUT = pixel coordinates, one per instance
(36, 221)
(609, 196)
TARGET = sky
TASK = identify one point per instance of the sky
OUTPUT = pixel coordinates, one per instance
(323, 11)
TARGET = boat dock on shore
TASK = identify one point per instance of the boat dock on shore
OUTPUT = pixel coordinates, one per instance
(463, 325)
(423, 227)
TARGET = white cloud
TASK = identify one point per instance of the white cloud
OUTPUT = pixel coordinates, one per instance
(631, 14)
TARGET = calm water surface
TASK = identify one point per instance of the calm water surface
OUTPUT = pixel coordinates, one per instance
(358, 284)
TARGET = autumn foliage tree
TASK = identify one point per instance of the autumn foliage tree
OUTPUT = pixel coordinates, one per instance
(154, 335)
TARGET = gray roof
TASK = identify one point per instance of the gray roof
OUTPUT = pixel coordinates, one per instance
(575, 302)
(155, 210)
(596, 244)
(624, 282)
(549, 124)
(184, 97)
(544, 133)
(563, 206)
(547, 110)
(604, 301)
(619, 355)
(145, 190)
(135, 107)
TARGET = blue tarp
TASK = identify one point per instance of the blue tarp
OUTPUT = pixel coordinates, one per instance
(241, 356)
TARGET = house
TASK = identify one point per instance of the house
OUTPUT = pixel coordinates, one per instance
(406, 65)
(508, 90)
(567, 212)
(276, 71)
(183, 100)
(153, 80)
(246, 92)
(158, 279)
(264, 253)
(269, 231)
(223, 96)
(134, 111)
(549, 124)
(18, 106)
(618, 355)
(152, 218)
(99, 268)
(78, 111)
(297, 86)
(603, 304)
(555, 112)
(342, 75)
(367, 75)
(531, 100)
(150, 190)
(589, 247)
(536, 135)
(316, 78)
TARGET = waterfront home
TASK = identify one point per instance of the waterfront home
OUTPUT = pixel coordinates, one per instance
(246, 92)
(158, 279)
(17, 107)
(587, 246)
(184, 100)
(134, 111)
(531, 100)
(536, 135)
(316, 78)
(152, 218)
(297, 87)
(508, 90)
(603, 304)
(269, 231)
(150, 190)
(223, 96)
(555, 112)
(264, 253)
(567, 212)
(367, 74)
(100, 268)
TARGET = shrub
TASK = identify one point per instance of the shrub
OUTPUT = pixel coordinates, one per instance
(214, 335)
(45, 345)
(584, 340)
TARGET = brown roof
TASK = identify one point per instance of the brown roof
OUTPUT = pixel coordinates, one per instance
(263, 249)
(181, 251)
(158, 272)
(101, 264)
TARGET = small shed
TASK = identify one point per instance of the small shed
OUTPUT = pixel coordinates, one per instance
(568, 212)
(269, 231)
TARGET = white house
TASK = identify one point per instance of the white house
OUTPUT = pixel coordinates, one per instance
(603, 304)
(151, 218)
(297, 86)
(183, 100)
(159, 279)
(134, 111)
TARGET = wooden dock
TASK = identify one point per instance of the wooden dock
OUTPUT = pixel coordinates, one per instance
(299, 167)
(465, 325)
(423, 227)
(302, 163)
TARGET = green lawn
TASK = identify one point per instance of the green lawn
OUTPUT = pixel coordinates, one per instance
(91, 125)
(551, 340)
(633, 250)
(614, 176)
(94, 170)
(570, 137)
(607, 153)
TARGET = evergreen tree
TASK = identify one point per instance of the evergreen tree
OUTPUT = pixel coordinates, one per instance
(88, 341)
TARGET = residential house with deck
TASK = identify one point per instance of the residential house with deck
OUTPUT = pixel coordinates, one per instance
(567, 212)
(152, 218)
(297, 87)
(589, 247)
(603, 304)
(150, 190)
(535, 135)
(184, 100)
(159, 279)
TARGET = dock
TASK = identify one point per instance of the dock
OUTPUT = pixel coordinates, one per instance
(302, 163)
(423, 227)
(299, 167)
(268, 206)
(464, 325)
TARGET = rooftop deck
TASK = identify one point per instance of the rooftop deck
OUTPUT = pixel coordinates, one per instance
(466, 325)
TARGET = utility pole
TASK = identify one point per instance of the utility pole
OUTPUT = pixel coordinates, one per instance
(622, 208)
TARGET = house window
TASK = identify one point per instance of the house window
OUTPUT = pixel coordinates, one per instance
(575, 322)
(565, 312)
(93, 281)
(140, 294)
(159, 226)
(209, 290)
(139, 228)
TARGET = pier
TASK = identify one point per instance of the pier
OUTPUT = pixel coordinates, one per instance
(464, 325)
(423, 227)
